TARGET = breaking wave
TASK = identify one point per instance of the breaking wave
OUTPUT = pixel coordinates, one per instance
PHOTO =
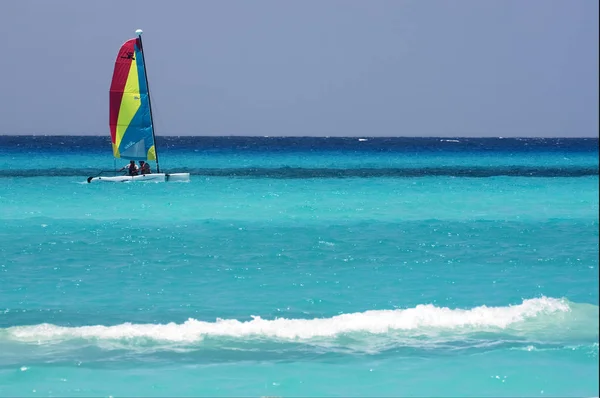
(540, 320)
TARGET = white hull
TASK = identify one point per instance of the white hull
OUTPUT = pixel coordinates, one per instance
(158, 177)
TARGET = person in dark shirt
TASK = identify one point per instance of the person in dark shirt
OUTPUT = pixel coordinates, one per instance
(145, 167)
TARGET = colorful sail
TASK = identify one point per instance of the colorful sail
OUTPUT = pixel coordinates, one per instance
(130, 119)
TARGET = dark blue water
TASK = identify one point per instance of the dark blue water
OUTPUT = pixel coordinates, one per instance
(316, 157)
(313, 144)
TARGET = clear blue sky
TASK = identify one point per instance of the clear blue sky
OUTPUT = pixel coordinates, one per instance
(314, 67)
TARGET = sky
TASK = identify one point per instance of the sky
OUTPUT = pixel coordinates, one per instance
(308, 68)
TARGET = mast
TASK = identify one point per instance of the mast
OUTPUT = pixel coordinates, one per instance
(139, 35)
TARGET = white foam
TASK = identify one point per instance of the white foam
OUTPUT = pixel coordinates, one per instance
(418, 321)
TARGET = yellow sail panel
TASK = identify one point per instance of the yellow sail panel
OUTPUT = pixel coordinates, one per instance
(130, 103)
(151, 153)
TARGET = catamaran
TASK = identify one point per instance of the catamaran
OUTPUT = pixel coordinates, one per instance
(130, 115)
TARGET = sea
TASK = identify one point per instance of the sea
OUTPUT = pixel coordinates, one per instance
(301, 267)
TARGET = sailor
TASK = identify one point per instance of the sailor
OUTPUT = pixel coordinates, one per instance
(145, 167)
(132, 168)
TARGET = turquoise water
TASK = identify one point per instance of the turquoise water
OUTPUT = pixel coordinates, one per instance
(382, 286)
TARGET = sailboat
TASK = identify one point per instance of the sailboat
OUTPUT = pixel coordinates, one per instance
(130, 115)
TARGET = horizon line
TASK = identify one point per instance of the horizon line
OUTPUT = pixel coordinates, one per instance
(310, 136)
